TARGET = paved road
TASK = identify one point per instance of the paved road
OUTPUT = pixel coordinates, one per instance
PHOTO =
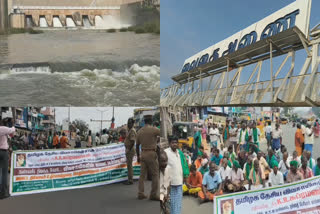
(191, 205)
(113, 198)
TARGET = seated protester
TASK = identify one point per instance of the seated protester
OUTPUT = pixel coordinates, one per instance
(304, 169)
(225, 170)
(295, 158)
(236, 178)
(275, 176)
(316, 168)
(252, 153)
(194, 182)
(284, 165)
(294, 175)
(271, 158)
(204, 166)
(232, 154)
(242, 158)
(217, 157)
(197, 162)
(279, 153)
(263, 164)
(257, 176)
(164, 182)
(211, 184)
(247, 169)
(226, 156)
(201, 151)
(188, 157)
(310, 160)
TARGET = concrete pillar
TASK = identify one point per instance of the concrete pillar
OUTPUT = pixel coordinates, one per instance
(49, 19)
(91, 19)
(4, 19)
(63, 20)
(36, 20)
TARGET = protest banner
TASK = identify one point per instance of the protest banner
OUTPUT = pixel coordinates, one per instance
(295, 198)
(52, 170)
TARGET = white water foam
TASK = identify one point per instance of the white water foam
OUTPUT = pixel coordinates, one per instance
(86, 22)
(43, 22)
(57, 22)
(108, 22)
(70, 22)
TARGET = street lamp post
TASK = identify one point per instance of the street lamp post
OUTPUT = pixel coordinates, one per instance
(101, 121)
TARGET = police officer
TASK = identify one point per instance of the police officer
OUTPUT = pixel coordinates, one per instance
(147, 137)
(130, 151)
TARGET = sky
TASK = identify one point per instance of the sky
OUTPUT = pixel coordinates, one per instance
(121, 115)
(195, 25)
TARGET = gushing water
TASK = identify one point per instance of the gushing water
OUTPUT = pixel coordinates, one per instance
(29, 21)
(109, 22)
(57, 22)
(43, 22)
(70, 22)
(86, 22)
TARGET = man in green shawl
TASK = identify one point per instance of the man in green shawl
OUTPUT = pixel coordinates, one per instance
(257, 176)
(243, 138)
(316, 168)
(254, 140)
(247, 169)
(270, 158)
(197, 143)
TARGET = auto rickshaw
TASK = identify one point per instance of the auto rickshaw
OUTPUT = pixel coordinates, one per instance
(185, 132)
(284, 120)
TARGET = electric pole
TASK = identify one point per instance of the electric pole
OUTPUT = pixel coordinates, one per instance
(101, 121)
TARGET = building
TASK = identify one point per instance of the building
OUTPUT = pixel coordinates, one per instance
(49, 118)
(141, 112)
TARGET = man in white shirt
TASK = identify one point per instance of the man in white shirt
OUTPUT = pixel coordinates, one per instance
(275, 176)
(268, 134)
(176, 175)
(243, 138)
(164, 181)
(284, 165)
(308, 139)
(104, 137)
(225, 170)
(4, 159)
(276, 137)
(311, 161)
(214, 136)
(233, 136)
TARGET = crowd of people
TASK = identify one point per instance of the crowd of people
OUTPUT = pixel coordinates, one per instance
(231, 160)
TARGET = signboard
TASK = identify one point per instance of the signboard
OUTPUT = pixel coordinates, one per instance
(65, 124)
(52, 170)
(296, 198)
(296, 14)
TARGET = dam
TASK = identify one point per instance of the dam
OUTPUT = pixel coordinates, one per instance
(71, 14)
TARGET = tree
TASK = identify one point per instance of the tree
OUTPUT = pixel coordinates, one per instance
(80, 125)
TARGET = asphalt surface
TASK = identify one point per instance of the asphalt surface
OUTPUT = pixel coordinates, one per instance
(191, 205)
(112, 198)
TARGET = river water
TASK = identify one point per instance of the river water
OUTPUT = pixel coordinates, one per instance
(80, 68)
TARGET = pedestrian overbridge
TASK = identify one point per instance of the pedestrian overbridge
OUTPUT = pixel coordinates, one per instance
(215, 80)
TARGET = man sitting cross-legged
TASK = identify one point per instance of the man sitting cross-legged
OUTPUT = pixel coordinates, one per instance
(194, 182)
(211, 184)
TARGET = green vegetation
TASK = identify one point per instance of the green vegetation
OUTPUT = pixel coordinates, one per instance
(150, 27)
(112, 30)
(124, 29)
(20, 31)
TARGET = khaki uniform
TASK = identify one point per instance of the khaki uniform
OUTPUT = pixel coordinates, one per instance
(131, 136)
(147, 138)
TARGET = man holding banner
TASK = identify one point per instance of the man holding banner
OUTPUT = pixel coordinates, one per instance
(130, 151)
(4, 160)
